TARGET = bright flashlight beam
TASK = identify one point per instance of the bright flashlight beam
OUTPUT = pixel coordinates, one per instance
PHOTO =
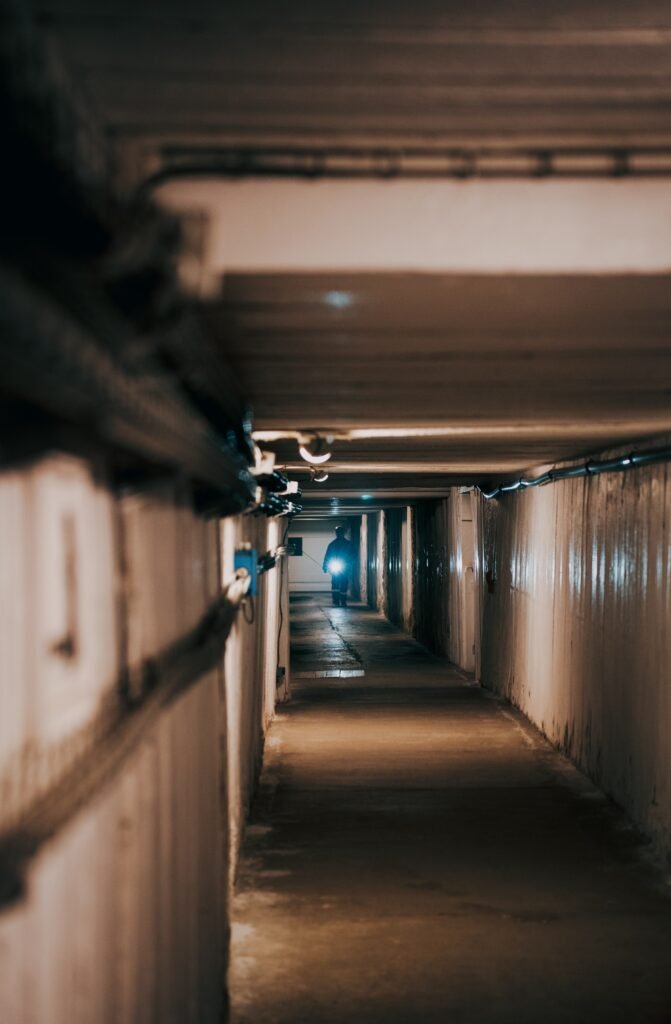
(316, 460)
(336, 566)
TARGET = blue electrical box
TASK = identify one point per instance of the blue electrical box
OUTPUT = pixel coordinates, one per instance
(247, 558)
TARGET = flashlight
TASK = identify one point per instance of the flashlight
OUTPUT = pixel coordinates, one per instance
(336, 566)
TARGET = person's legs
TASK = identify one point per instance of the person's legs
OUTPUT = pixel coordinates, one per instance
(335, 591)
(343, 592)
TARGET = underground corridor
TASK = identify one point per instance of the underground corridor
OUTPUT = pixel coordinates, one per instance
(418, 851)
(335, 512)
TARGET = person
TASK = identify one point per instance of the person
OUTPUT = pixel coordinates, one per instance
(338, 561)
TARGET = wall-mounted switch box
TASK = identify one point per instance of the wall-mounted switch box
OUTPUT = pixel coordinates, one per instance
(295, 546)
(247, 558)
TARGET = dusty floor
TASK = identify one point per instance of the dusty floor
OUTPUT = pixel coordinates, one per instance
(419, 854)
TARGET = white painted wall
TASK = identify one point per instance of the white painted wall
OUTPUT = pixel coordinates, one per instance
(124, 913)
(59, 579)
(305, 571)
(124, 917)
(577, 632)
(363, 559)
(480, 226)
(249, 665)
(462, 581)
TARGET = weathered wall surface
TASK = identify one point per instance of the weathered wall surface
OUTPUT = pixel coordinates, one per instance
(354, 535)
(381, 597)
(393, 524)
(60, 623)
(305, 571)
(432, 575)
(408, 562)
(250, 658)
(363, 559)
(372, 574)
(462, 586)
(576, 630)
(123, 917)
(123, 913)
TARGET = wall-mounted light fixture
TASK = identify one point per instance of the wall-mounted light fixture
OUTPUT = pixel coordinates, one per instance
(316, 450)
(318, 476)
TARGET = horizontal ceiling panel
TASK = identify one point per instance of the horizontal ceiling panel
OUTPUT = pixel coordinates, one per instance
(589, 310)
(503, 372)
(386, 70)
(350, 350)
(389, 15)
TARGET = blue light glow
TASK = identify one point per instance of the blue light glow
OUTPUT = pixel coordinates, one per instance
(338, 300)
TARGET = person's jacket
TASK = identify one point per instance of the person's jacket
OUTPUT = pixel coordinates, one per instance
(342, 549)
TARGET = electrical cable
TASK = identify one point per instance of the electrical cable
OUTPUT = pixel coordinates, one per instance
(249, 619)
(589, 468)
(306, 555)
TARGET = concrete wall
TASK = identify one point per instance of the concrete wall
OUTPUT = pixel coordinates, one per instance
(123, 914)
(124, 917)
(408, 562)
(305, 571)
(373, 568)
(432, 575)
(381, 601)
(387, 564)
(576, 630)
(250, 666)
(354, 536)
(559, 599)
(463, 606)
(393, 527)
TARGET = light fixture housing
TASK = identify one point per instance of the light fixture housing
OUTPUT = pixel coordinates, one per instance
(316, 451)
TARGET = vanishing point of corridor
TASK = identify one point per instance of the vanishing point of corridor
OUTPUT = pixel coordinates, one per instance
(393, 270)
(418, 852)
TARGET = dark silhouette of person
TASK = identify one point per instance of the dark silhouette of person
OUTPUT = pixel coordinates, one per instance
(338, 561)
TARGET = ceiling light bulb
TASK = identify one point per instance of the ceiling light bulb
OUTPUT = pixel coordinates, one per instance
(316, 451)
(316, 460)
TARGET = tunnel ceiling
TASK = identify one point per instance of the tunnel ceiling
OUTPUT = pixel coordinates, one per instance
(505, 371)
(192, 74)
(502, 372)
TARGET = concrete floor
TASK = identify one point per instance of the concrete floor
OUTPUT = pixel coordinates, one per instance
(418, 853)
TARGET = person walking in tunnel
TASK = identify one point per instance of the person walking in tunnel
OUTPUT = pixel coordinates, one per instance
(338, 561)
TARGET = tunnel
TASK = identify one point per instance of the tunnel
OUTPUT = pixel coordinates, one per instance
(335, 512)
